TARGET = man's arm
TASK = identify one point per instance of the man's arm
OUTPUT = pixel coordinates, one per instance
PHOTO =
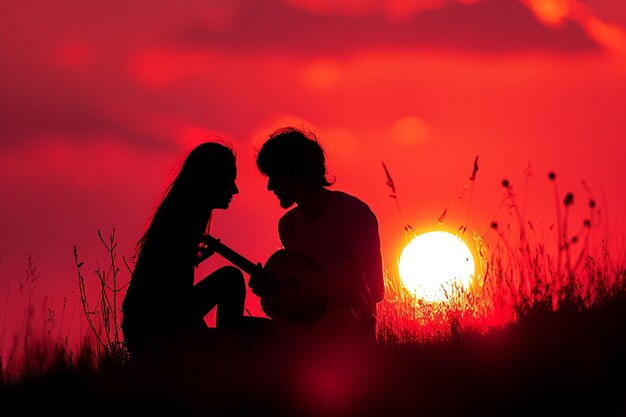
(359, 281)
(374, 279)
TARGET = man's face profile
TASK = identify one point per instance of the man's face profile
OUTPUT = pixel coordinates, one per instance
(282, 187)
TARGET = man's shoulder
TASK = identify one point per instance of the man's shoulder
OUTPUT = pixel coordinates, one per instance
(350, 201)
(289, 216)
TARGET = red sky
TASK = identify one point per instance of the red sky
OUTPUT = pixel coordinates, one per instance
(100, 101)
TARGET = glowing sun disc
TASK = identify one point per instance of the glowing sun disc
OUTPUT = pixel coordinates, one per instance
(432, 263)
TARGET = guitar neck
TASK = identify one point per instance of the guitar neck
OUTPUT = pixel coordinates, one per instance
(233, 257)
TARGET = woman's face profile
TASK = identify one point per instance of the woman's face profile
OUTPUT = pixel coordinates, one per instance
(224, 187)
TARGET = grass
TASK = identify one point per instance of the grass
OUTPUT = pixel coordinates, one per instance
(541, 330)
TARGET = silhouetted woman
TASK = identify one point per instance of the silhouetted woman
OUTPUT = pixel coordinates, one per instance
(163, 311)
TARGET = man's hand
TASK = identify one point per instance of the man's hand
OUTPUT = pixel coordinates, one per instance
(260, 283)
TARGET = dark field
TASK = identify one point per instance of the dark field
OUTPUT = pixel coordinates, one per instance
(566, 362)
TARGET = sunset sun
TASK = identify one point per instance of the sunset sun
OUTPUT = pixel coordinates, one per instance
(432, 263)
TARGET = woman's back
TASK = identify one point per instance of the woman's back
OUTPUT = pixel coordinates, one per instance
(162, 302)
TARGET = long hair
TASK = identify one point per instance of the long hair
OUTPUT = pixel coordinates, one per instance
(294, 152)
(184, 200)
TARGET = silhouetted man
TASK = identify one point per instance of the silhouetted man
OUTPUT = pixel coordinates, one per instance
(331, 265)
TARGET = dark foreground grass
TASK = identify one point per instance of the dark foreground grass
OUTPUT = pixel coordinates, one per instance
(564, 362)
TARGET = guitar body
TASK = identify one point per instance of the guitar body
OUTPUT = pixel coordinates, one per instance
(288, 299)
(297, 315)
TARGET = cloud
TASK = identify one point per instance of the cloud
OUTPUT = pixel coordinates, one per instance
(484, 27)
(610, 11)
(145, 76)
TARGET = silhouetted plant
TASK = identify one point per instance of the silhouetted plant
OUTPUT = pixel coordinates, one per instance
(22, 339)
(517, 277)
(105, 319)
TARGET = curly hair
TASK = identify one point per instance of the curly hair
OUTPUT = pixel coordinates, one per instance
(294, 152)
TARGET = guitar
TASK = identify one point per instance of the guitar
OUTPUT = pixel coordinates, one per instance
(284, 297)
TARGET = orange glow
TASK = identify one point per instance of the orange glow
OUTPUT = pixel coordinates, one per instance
(339, 142)
(610, 36)
(552, 12)
(410, 130)
(321, 75)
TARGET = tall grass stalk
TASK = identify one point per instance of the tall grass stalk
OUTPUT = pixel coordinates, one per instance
(105, 320)
(518, 275)
(22, 339)
(4, 331)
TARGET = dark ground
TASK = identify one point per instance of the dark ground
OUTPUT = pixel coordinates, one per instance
(566, 363)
